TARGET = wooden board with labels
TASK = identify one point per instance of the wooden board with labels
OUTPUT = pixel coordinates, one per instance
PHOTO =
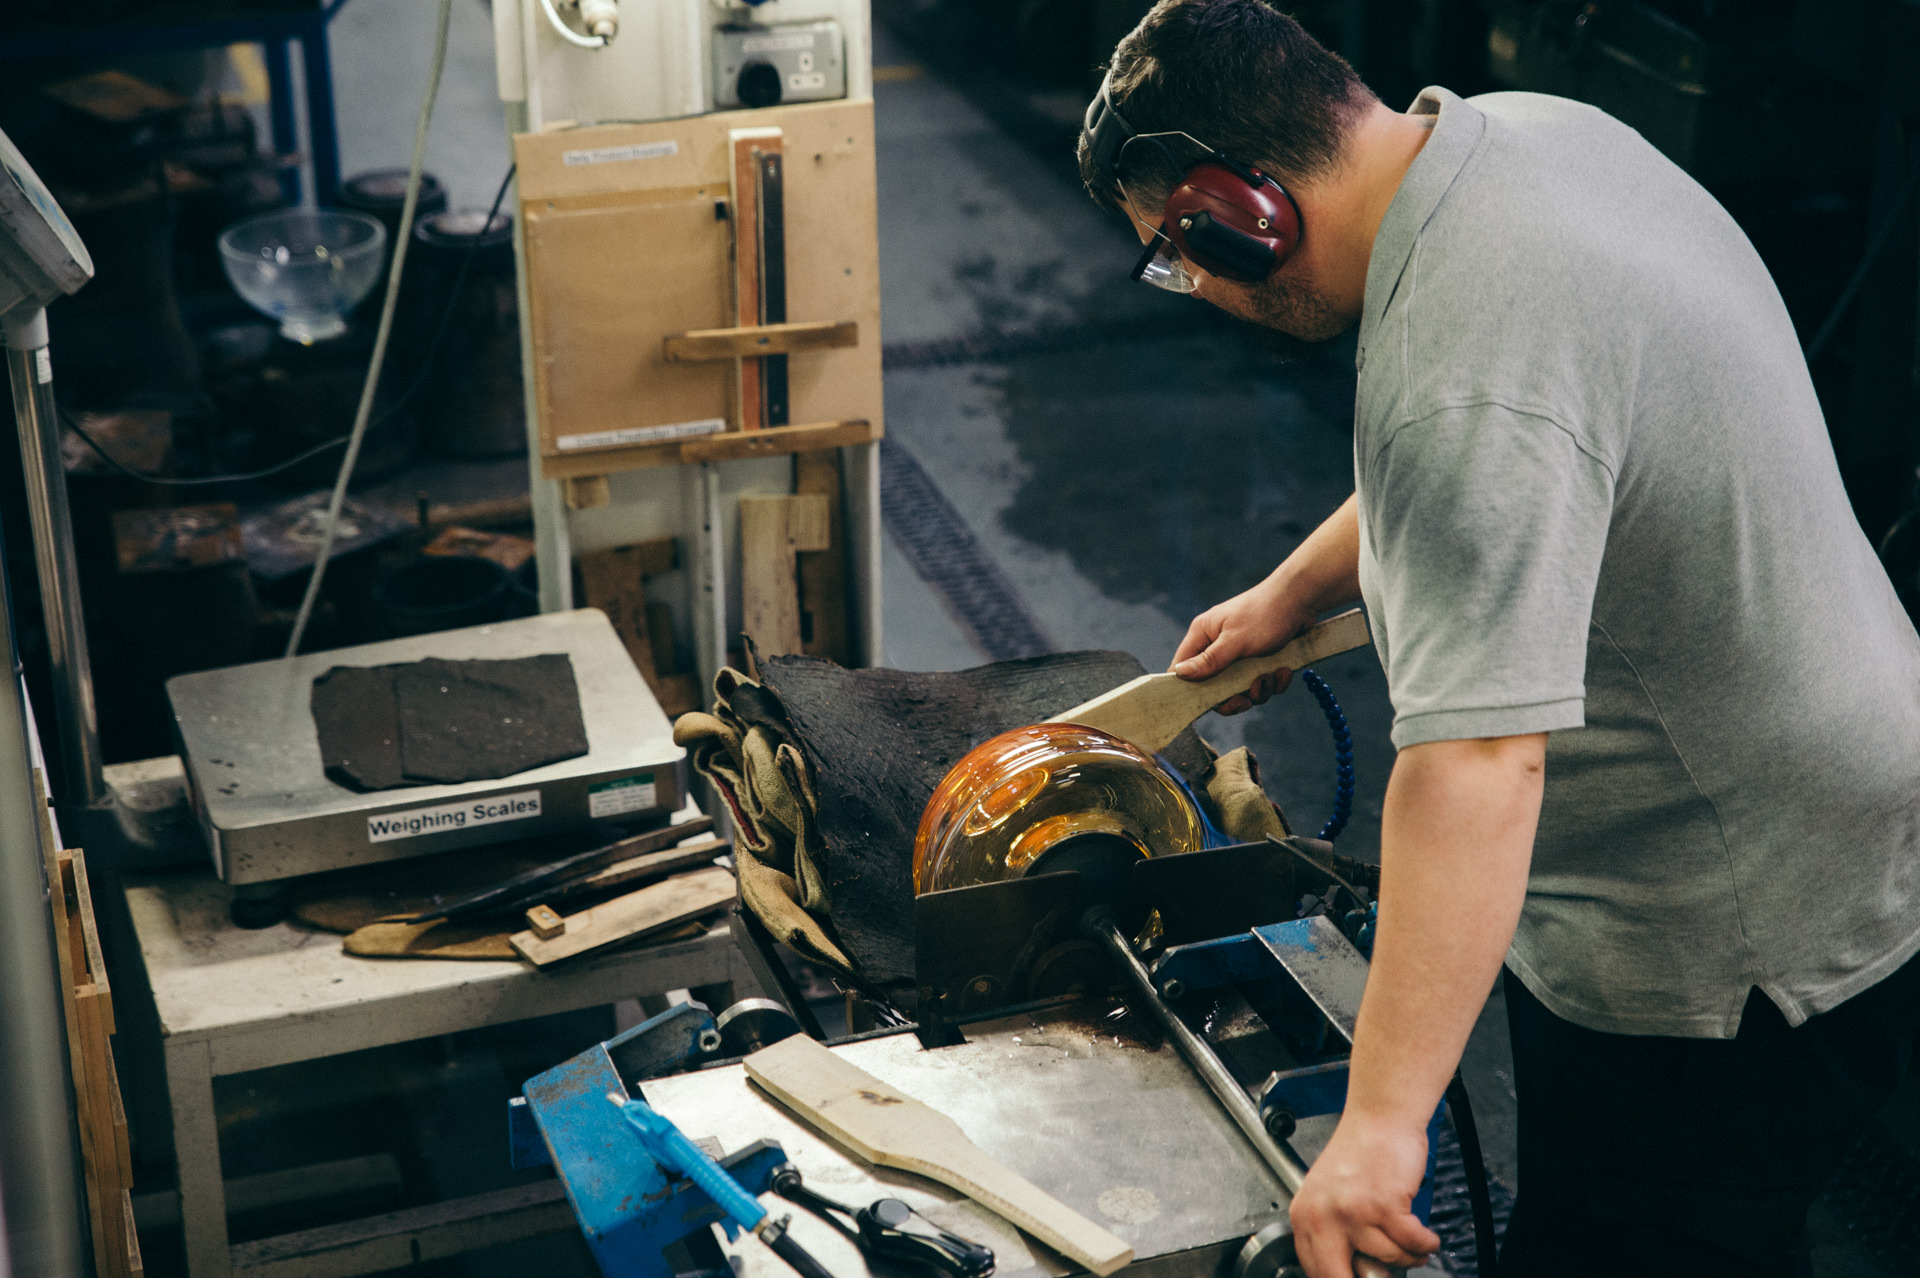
(630, 242)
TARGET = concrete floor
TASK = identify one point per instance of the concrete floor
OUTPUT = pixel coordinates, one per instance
(1123, 479)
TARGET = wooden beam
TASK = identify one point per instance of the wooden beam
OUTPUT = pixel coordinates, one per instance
(773, 530)
(761, 339)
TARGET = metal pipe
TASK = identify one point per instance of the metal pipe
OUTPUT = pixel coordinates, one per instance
(39, 1192)
(30, 371)
(1213, 1072)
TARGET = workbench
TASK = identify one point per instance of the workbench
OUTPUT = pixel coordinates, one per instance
(229, 1001)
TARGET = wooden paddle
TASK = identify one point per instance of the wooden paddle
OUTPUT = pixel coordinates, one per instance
(891, 1129)
(1154, 709)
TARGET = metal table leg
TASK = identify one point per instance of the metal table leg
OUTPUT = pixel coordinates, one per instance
(196, 1151)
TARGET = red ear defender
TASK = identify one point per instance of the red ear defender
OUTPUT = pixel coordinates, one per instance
(1234, 223)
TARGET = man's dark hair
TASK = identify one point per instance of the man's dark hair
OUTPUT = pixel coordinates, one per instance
(1242, 78)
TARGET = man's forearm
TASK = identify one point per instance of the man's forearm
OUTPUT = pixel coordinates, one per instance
(1324, 570)
(1456, 841)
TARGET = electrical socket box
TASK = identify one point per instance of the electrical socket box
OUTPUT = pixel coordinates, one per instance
(764, 66)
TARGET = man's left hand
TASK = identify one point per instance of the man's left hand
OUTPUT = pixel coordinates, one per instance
(1358, 1198)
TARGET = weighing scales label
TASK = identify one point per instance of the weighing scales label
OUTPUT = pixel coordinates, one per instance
(453, 816)
(630, 794)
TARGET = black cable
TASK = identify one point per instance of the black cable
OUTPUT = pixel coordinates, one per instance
(169, 482)
(426, 369)
(1479, 1192)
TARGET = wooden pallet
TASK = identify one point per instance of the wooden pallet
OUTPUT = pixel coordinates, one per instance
(88, 1000)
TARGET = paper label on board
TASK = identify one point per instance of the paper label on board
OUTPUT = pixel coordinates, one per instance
(465, 815)
(43, 366)
(640, 434)
(616, 798)
(619, 154)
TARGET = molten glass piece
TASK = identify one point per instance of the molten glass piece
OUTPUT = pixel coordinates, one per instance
(1051, 788)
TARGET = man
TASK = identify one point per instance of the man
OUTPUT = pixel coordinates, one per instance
(1656, 705)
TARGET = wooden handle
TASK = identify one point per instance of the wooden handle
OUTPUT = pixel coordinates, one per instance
(1154, 709)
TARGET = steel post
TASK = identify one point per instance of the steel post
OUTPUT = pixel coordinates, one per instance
(30, 371)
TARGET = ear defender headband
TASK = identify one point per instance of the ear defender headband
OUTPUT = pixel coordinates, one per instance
(1228, 219)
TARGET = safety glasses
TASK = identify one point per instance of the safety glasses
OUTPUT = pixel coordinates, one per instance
(1151, 165)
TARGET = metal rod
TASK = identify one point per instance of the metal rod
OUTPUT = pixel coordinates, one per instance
(30, 371)
(1219, 1080)
(1200, 1055)
(39, 1219)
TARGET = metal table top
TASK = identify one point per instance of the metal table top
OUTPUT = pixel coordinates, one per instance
(1122, 1134)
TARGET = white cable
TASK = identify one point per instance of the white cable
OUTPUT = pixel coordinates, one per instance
(567, 33)
(360, 418)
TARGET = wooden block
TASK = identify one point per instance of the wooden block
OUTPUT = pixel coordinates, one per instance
(824, 625)
(588, 492)
(651, 909)
(679, 694)
(891, 1129)
(610, 581)
(753, 340)
(1154, 709)
(772, 531)
(546, 922)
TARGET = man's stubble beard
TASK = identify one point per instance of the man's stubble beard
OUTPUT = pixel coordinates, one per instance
(1295, 320)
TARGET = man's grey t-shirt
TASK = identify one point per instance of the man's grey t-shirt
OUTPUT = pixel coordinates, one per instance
(1597, 499)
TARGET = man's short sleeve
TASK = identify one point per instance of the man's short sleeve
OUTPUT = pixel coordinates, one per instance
(1486, 527)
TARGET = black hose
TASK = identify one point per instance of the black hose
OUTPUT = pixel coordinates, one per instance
(798, 1258)
(1479, 1193)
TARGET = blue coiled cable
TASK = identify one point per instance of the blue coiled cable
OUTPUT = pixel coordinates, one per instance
(1342, 754)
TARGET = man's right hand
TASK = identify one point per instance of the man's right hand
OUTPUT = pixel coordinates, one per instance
(1251, 624)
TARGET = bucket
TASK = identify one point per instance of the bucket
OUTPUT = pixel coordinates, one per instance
(442, 592)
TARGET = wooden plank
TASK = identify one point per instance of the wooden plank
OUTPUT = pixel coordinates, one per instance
(651, 909)
(610, 581)
(824, 623)
(761, 339)
(400, 1239)
(652, 865)
(775, 441)
(745, 146)
(90, 931)
(1154, 709)
(136, 1265)
(891, 1129)
(773, 530)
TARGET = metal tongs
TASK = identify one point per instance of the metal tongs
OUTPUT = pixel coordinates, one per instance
(888, 1229)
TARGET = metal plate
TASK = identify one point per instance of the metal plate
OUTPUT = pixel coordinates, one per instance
(1318, 955)
(1121, 1134)
(270, 812)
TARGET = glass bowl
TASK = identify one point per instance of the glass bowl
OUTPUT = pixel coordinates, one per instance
(304, 267)
(1050, 797)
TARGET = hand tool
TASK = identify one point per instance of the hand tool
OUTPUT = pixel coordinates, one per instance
(891, 1129)
(1152, 710)
(669, 1146)
(888, 1229)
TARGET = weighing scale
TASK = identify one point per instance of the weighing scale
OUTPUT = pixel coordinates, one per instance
(270, 812)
